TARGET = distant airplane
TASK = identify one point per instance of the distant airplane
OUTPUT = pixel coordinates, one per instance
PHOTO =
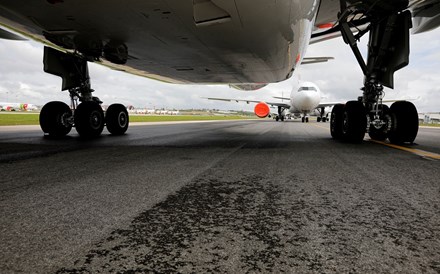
(302, 101)
(5, 106)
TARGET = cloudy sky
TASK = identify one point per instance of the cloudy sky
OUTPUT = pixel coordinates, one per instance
(22, 79)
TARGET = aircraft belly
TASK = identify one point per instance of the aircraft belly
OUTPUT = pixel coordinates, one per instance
(256, 41)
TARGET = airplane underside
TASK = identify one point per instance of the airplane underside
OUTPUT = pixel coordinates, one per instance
(210, 41)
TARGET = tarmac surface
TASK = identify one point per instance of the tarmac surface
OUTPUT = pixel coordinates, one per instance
(234, 197)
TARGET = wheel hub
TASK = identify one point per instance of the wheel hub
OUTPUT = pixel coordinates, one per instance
(95, 120)
(122, 119)
(66, 119)
(378, 123)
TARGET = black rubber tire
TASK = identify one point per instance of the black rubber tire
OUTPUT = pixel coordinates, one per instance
(382, 133)
(53, 117)
(282, 118)
(318, 119)
(336, 121)
(277, 118)
(324, 119)
(89, 119)
(354, 122)
(303, 119)
(307, 119)
(116, 119)
(404, 122)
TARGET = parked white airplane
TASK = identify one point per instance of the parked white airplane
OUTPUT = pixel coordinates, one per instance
(247, 44)
(301, 103)
(6, 106)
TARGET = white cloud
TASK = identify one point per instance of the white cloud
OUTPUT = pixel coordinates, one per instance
(22, 79)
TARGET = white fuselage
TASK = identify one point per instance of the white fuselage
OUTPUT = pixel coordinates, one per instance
(180, 41)
(304, 99)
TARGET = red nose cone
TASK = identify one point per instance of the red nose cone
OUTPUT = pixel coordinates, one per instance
(262, 110)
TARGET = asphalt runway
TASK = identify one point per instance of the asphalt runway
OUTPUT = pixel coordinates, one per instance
(234, 197)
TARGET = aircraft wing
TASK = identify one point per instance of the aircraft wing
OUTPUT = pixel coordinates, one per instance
(274, 104)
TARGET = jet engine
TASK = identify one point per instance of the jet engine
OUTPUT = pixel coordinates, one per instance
(262, 110)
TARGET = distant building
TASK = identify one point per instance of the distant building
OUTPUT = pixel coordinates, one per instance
(430, 117)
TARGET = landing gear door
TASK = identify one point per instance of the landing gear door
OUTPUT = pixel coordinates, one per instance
(71, 69)
(389, 47)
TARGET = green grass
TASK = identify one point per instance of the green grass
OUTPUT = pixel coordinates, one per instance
(10, 119)
(429, 125)
(139, 118)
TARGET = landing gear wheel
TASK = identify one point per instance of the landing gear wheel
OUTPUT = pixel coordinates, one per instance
(336, 121)
(89, 119)
(277, 118)
(54, 119)
(307, 119)
(282, 118)
(404, 122)
(116, 119)
(319, 119)
(354, 122)
(380, 132)
(303, 119)
(324, 119)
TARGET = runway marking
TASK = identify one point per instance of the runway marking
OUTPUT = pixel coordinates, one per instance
(418, 152)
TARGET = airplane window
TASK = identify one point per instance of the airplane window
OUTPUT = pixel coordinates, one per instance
(306, 88)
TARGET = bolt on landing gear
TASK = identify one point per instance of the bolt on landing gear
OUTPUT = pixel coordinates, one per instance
(57, 118)
(388, 51)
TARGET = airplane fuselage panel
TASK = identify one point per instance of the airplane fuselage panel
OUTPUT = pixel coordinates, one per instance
(181, 41)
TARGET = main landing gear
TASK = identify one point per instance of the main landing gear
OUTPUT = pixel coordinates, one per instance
(388, 51)
(281, 115)
(57, 118)
(321, 117)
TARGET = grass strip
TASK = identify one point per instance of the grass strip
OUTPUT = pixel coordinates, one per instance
(11, 119)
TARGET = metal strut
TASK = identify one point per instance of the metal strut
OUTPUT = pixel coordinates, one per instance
(348, 36)
(388, 47)
(73, 69)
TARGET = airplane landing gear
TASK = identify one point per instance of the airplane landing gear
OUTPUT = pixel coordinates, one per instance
(281, 114)
(336, 121)
(57, 118)
(354, 121)
(89, 119)
(321, 117)
(117, 119)
(404, 123)
(388, 51)
(380, 123)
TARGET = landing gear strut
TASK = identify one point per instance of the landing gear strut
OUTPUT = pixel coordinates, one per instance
(57, 118)
(321, 117)
(388, 51)
(280, 117)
